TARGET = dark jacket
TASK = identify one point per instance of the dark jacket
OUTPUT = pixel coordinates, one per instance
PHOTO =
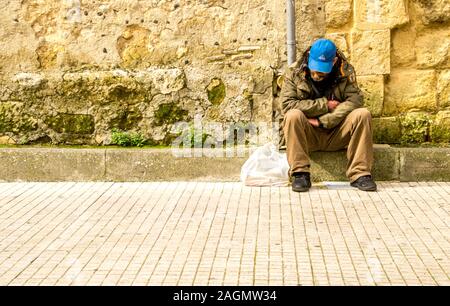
(298, 92)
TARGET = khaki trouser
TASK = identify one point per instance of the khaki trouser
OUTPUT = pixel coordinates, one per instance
(353, 133)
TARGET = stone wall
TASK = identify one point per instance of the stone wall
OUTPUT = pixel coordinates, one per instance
(72, 70)
(401, 53)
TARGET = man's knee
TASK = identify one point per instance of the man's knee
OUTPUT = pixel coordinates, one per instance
(294, 115)
(361, 114)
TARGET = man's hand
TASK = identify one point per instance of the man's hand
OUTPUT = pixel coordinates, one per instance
(332, 104)
(314, 122)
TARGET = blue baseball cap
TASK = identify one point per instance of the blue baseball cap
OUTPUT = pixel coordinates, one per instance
(321, 55)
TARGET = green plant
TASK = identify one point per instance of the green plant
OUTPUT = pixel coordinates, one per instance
(23, 140)
(127, 139)
(415, 128)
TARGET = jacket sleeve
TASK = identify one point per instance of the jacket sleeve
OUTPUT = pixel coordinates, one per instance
(293, 96)
(353, 100)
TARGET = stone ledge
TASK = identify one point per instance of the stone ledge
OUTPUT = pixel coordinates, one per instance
(48, 164)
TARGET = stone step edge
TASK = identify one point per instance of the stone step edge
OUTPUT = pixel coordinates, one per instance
(121, 165)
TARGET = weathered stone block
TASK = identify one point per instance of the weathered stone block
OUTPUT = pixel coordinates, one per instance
(372, 87)
(14, 119)
(18, 39)
(422, 164)
(403, 49)
(386, 130)
(49, 165)
(6, 140)
(371, 52)
(167, 80)
(169, 113)
(326, 166)
(30, 80)
(80, 89)
(443, 88)
(162, 165)
(415, 127)
(440, 127)
(338, 12)
(71, 123)
(340, 40)
(133, 46)
(433, 12)
(380, 14)
(433, 48)
(261, 107)
(410, 89)
(386, 165)
(312, 17)
(126, 119)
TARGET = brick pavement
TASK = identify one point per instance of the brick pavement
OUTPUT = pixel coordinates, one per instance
(195, 233)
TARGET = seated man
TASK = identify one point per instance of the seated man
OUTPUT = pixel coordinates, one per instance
(322, 111)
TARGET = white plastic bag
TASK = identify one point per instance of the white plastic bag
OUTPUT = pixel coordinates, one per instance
(266, 167)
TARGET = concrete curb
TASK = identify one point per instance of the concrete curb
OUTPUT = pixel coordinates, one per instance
(118, 165)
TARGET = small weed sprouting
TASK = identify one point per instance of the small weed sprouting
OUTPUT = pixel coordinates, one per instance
(415, 128)
(127, 139)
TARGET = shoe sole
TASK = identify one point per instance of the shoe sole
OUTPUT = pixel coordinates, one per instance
(300, 190)
(365, 189)
(305, 189)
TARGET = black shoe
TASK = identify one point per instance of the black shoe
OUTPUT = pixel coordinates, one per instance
(365, 183)
(301, 182)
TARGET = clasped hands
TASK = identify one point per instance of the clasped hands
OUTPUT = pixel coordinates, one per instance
(332, 104)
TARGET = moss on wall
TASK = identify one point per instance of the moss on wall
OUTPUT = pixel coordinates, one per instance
(71, 123)
(440, 129)
(386, 130)
(415, 128)
(126, 120)
(216, 91)
(168, 113)
(14, 119)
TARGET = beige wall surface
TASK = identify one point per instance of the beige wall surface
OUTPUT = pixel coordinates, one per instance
(72, 70)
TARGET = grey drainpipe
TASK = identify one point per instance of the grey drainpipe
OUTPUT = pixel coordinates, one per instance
(291, 48)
